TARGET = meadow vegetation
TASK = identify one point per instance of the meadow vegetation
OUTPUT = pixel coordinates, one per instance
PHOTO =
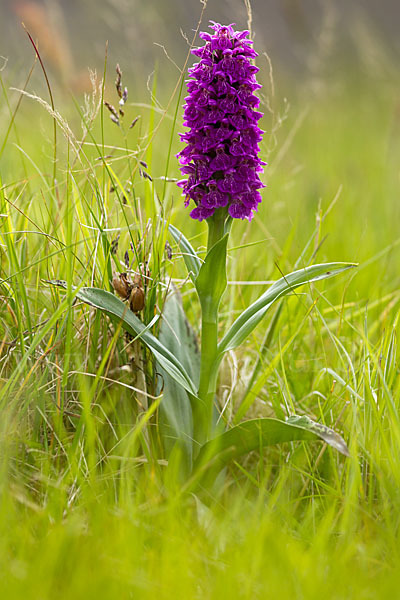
(87, 506)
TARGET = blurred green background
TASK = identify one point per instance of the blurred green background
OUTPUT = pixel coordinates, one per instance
(303, 37)
(331, 102)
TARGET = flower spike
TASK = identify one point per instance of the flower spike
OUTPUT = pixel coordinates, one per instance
(222, 145)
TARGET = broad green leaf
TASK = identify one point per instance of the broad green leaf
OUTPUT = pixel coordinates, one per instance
(177, 335)
(113, 306)
(254, 435)
(250, 318)
(331, 437)
(190, 257)
(211, 281)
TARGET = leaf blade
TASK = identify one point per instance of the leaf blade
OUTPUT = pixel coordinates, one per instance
(192, 261)
(251, 317)
(250, 435)
(211, 281)
(175, 419)
(113, 306)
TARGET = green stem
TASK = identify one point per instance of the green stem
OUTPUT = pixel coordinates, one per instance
(203, 416)
(204, 407)
(216, 226)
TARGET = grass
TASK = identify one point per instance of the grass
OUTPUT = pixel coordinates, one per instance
(86, 510)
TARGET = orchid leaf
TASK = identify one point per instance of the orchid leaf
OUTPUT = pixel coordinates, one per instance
(211, 281)
(190, 257)
(328, 435)
(255, 434)
(114, 307)
(250, 318)
(175, 413)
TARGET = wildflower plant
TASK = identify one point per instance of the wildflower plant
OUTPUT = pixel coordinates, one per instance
(222, 166)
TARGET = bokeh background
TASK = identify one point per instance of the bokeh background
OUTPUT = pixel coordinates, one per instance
(331, 101)
(303, 37)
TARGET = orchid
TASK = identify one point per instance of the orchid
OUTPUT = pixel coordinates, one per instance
(222, 169)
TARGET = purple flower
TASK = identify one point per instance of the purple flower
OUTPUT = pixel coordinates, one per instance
(220, 159)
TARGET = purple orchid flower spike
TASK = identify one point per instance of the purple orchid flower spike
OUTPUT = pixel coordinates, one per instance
(222, 145)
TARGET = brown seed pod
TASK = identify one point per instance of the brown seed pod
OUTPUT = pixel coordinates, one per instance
(121, 285)
(137, 294)
(137, 299)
